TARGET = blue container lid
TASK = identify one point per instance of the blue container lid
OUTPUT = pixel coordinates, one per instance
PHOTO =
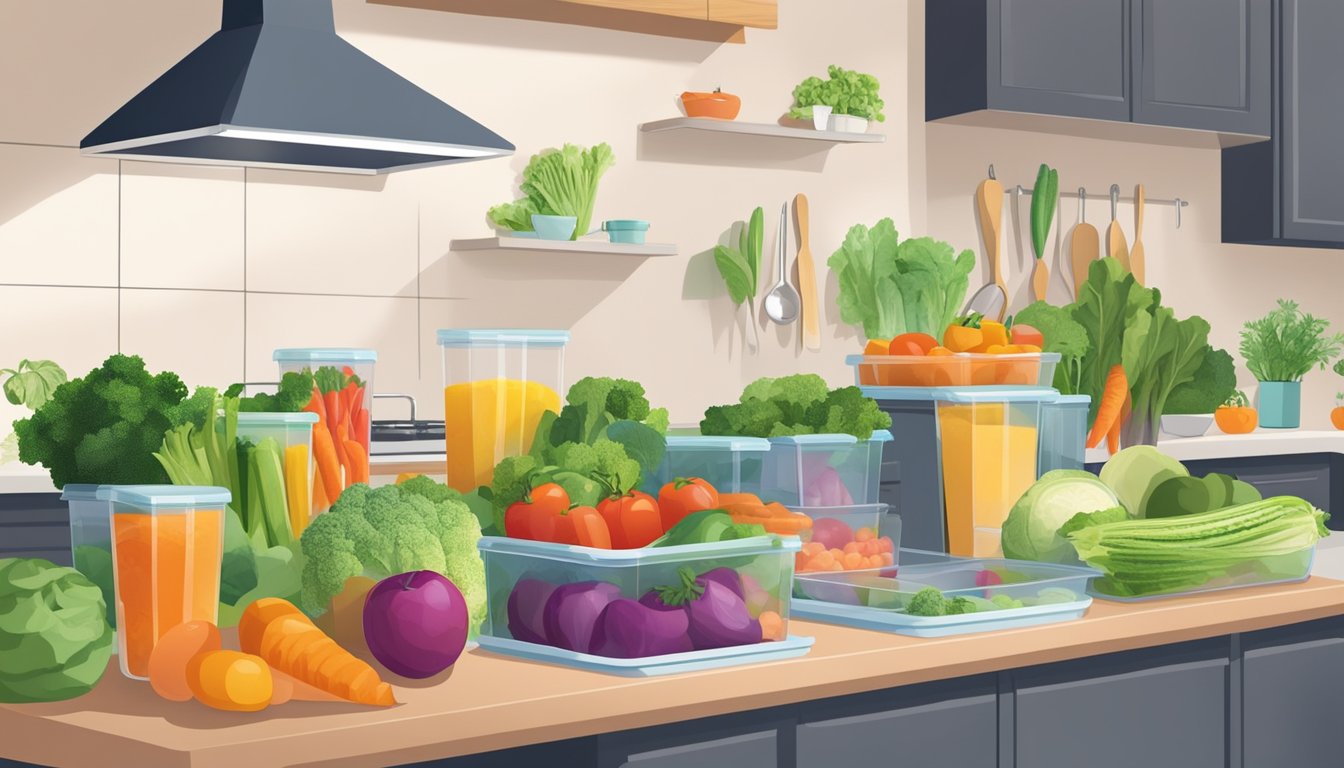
(997, 394)
(265, 419)
(1044, 357)
(879, 436)
(501, 337)
(1075, 400)
(80, 492)
(756, 545)
(324, 355)
(717, 443)
(165, 496)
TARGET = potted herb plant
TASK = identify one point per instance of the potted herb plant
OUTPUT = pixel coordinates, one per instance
(850, 98)
(1279, 349)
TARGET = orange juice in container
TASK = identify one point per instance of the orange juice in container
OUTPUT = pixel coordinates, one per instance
(167, 545)
(342, 400)
(497, 385)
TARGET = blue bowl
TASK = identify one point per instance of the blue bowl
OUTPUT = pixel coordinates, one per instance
(554, 227)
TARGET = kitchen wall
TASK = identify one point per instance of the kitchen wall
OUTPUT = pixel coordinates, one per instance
(205, 270)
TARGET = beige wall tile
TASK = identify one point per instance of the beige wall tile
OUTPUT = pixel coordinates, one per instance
(181, 226)
(385, 324)
(58, 217)
(197, 334)
(330, 233)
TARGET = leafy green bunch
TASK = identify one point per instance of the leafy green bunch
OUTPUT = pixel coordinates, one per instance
(740, 267)
(557, 182)
(801, 404)
(1287, 343)
(846, 92)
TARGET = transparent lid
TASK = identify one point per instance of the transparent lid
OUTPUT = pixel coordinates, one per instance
(501, 337)
(1045, 357)
(325, 355)
(995, 394)
(165, 496)
(262, 419)
(879, 436)
(756, 545)
(1083, 400)
(717, 443)
(80, 492)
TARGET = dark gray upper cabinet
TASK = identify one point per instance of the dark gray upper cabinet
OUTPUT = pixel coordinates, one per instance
(1285, 192)
(1203, 64)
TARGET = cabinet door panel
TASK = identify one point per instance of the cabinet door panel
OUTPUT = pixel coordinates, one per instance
(1292, 696)
(1313, 120)
(1060, 57)
(1204, 64)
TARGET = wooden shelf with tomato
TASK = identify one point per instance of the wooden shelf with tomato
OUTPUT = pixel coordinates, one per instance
(974, 351)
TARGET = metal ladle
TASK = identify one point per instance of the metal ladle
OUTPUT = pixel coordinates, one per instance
(782, 303)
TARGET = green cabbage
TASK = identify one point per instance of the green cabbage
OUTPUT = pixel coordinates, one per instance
(1136, 472)
(54, 637)
(1031, 531)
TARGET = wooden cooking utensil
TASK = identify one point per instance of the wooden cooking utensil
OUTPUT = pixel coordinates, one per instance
(807, 278)
(1084, 245)
(989, 202)
(1137, 261)
(1115, 236)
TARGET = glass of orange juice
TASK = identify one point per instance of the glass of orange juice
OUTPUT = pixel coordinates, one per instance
(167, 544)
(497, 385)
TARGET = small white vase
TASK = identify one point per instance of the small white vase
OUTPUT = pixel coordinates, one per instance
(848, 124)
(820, 116)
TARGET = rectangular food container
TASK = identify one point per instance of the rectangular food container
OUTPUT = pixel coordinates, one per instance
(167, 544)
(496, 386)
(823, 470)
(859, 537)
(559, 603)
(91, 539)
(963, 369)
(1063, 432)
(1255, 572)
(290, 436)
(344, 378)
(962, 470)
(730, 464)
(1000, 593)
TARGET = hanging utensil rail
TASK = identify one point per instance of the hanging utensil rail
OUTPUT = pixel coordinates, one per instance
(1083, 195)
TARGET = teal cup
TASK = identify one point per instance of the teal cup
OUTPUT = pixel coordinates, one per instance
(554, 227)
(629, 231)
(1280, 404)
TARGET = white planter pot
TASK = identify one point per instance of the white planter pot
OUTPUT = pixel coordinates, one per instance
(821, 115)
(848, 124)
(1186, 425)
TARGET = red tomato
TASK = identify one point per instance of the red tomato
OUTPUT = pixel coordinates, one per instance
(1025, 334)
(632, 519)
(912, 344)
(584, 526)
(683, 496)
(522, 517)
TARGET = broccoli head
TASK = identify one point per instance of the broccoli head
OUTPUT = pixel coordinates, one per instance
(604, 460)
(423, 485)
(848, 411)
(793, 394)
(295, 392)
(593, 403)
(927, 602)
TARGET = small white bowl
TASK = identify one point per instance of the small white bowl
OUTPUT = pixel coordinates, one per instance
(1186, 424)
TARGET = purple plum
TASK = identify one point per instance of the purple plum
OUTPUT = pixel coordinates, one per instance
(571, 613)
(629, 629)
(717, 616)
(415, 623)
(527, 604)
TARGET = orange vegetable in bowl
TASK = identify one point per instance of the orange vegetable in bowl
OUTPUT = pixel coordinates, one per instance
(171, 654)
(718, 105)
(1337, 417)
(1237, 420)
(912, 344)
(962, 338)
(940, 351)
(995, 334)
(1026, 334)
(876, 347)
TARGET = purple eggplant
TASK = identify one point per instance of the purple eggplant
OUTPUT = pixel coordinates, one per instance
(629, 629)
(571, 613)
(717, 616)
(727, 577)
(527, 605)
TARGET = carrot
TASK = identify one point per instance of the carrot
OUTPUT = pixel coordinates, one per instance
(359, 462)
(752, 499)
(1112, 402)
(784, 525)
(342, 437)
(320, 501)
(317, 405)
(174, 651)
(359, 426)
(334, 415)
(1113, 436)
(286, 639)
(229, 680)
(328, 464)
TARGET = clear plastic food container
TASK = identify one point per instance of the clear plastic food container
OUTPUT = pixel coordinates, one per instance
(496, 386)
(730, 464)
(824, 470)
(601, 608)
(860, 537)
(167, 544)
(964, 369)
(91, 539)
(1063, 433)
(292, 434)
(1252, 572)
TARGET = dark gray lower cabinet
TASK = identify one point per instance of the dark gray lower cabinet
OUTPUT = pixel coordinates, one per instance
(750, 740)
(1293, 684)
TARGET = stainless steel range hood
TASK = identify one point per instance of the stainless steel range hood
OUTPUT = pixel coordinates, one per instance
(276, 87)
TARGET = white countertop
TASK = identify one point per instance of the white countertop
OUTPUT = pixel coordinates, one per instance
(1262, 442)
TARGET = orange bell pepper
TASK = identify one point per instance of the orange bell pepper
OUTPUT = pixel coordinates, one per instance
(962, 338)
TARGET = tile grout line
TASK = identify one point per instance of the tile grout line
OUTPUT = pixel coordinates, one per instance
(419, 304)
(244, 273)
(119, 256)
(225, 290)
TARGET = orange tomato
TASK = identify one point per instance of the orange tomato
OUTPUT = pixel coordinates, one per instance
(876, 347)
(912, 344)
(1337, 417)
(683, 496)
(1236, 420)
(632, 520)
(1026, 334)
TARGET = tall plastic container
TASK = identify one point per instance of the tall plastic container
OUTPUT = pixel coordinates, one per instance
(824, 470)
(497, 383)
(344, 377)
(1063, 432)
(91, 539)
(730, 464)
(167, 544)
(293, 434)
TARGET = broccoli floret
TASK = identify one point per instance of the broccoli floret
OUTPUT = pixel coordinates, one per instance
(959, 605)
(604, 460)
(927, 602)
(512, 481)
(751, 418)
(1004, 601)
(794, 395)
(295, 392)
(848, 411)
(796, 405)
(194, 409)
(424, 485)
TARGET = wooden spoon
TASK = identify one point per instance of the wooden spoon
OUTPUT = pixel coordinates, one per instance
(807, 278)
(989, 202)
(1084, 246)
(1115, 236)
(1137, 261)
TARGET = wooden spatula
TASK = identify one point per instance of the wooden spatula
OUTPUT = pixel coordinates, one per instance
(989, 202)
(1084, 245)
(807, 279)
(1137, 262)
(1116, 246)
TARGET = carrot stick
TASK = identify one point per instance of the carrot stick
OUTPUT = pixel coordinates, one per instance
(1112, 402)
(343, 437)
(317, 405)
(334, 414)
(359, 426)
(359, 462)
(328, 463)
(287, 640)
(320, 502)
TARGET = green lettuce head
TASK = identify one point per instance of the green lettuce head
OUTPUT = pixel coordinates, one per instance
(53, 630)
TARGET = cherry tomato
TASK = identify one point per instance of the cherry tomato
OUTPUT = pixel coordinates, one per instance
(584, 526)
(632, 519)
(521, 518)
(683, 496)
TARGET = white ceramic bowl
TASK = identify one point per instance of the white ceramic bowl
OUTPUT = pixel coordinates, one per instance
(1186, 425)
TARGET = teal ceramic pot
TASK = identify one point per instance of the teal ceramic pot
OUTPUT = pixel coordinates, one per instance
(1280, 404)
(554, 227)
(626, 230)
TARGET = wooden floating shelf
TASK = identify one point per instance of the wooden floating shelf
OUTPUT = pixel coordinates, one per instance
(566, 246)
(769, 130)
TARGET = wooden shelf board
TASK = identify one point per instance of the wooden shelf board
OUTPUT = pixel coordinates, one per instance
(768, 130)
(498, 243)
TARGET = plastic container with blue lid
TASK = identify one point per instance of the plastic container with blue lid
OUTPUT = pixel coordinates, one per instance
(324, 355)
(355, 424)
(829, 470)
(91, 539)
(964, 369)
(293, 435)
(1063, 432)
(549, 602)
(730, 464)
(497, 384)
